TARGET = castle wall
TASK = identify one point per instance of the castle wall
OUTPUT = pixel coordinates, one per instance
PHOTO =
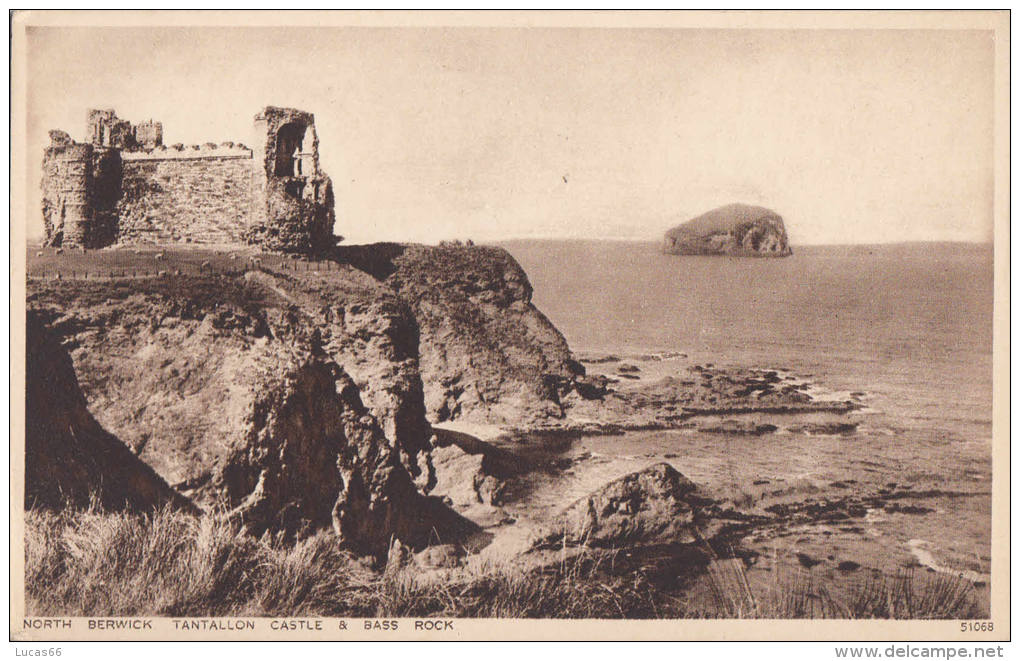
(124, 186)
(199, 196)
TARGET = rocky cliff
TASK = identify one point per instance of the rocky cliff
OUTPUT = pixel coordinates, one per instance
(487, 354)
(293, 398)
(69, 457)
(734, 229)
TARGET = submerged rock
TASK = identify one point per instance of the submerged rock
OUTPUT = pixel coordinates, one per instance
(824, 428)
(734, 229)
(806, 560)
(748, 427)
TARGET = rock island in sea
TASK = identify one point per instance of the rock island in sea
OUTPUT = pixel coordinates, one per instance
(739, 230)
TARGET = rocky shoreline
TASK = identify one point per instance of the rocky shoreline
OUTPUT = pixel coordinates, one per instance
(413, 401)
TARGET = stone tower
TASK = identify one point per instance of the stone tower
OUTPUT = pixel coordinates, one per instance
(67, 185)
(293, 198)
(148, 135)
(81, 186)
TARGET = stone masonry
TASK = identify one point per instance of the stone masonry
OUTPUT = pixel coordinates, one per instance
(124, 186)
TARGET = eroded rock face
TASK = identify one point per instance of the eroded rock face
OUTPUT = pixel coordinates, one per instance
(470, 471)
(313, 455)
(172, 365)
(295, 399)
(734, 229)
(376, 342)
(486, 353)
(69, 457)
(654, 505)
(246, 393)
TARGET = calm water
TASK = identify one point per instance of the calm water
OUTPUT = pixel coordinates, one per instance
(909, 324)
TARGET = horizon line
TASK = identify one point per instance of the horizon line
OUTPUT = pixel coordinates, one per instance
(975, 242)
(792, 245)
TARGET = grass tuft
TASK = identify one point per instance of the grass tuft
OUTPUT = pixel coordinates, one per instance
(96, 563)
(793, 594)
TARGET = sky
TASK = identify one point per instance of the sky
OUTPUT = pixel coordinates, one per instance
(853, 136)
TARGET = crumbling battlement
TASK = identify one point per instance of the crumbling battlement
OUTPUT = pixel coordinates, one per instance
(181, 152)
(105, 129)
(123, 185)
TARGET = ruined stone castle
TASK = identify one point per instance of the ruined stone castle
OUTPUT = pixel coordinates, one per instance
(124, 186)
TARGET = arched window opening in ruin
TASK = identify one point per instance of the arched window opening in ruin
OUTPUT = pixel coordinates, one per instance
(288, 145)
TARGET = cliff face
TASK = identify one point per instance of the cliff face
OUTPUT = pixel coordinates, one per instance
(486, 353)
(289, 399)
(311, 454)
(734, 229)
(295, 398)
(69, 457)
(169, 364)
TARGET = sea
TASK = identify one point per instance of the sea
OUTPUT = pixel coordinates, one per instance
(907, 325)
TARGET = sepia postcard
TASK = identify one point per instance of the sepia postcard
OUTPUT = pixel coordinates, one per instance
(510, 326)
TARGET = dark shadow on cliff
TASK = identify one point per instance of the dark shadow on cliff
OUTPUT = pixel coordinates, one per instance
(376, 259)
(69, 458)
